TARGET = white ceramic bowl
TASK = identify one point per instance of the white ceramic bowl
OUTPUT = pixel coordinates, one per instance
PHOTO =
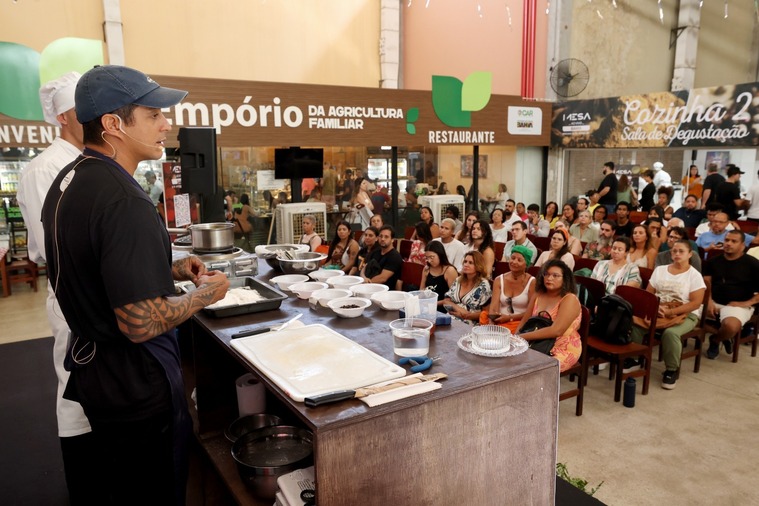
(344, 281)
(367, 290)
(392, 300)
(284, 281)
(325, 274)
(305, 289)
(325, 295)
(338, 306)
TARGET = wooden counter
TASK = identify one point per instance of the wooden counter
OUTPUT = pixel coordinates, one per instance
(488, 436)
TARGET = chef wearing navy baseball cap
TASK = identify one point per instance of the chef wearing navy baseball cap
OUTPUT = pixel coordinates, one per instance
(109, 259)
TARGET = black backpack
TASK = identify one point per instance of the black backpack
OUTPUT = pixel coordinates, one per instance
(614, 320)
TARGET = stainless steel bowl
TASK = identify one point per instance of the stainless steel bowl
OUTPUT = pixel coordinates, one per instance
(249, 423)
(271, 252)
(265, 454)
(303, 262)
(212, 237)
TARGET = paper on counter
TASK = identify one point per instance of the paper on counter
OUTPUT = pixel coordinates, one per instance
(400, 393)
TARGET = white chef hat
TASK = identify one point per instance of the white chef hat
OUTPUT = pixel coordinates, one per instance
(658, 166)
(57, 96)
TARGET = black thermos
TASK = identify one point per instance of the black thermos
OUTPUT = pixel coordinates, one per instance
(628, 399)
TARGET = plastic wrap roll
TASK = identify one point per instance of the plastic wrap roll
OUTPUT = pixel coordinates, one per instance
(251, 395)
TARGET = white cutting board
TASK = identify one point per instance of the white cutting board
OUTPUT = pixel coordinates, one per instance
(313, 360)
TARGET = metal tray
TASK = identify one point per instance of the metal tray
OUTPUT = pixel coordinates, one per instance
(273, 297)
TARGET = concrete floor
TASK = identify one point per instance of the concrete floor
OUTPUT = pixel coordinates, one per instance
(689, 446)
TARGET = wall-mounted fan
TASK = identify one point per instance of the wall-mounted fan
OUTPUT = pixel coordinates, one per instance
(569, 77)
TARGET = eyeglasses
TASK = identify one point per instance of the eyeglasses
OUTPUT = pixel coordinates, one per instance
(553, 275)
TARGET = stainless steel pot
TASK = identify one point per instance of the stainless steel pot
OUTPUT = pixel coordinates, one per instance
(212, 237)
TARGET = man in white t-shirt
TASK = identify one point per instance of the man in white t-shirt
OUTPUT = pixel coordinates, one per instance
(454, 249)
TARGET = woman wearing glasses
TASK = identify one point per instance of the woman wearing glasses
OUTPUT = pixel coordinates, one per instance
(512, 291)
(555, 295)
(617, 271)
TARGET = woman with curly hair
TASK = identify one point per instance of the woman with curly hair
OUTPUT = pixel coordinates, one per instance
(481, 239)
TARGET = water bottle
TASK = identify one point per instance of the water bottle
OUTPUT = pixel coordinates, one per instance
(628, 399)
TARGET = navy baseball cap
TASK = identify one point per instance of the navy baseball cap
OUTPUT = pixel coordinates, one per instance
(105, 88)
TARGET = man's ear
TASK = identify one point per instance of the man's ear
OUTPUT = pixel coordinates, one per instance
(110, 124)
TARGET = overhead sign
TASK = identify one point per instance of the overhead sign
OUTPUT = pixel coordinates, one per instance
(247, 113)
(722, 116)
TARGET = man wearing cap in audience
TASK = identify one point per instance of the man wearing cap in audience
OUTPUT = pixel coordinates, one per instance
(662, 178)
(110, 264)
(728, 193)
(78, 446)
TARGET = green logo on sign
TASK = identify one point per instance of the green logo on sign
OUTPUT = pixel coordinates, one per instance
(454, 100)
(23, 70)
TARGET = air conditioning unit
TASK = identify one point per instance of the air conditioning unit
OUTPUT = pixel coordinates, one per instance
(439, 203)
(289, 220)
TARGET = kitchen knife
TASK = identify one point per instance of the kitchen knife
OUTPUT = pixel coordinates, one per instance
(263, 330)
(342, 395)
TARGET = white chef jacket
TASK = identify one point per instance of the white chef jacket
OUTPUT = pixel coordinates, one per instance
(35, 181)
(662, 179)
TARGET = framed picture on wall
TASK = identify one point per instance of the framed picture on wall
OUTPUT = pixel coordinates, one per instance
(721, 158)
(467, 166)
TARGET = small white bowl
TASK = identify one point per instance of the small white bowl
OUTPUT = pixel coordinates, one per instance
(392, 300)
(344, 281)
(305, 289)
(337, 305)
(367, 290)
(327, 294)
(284, 281)
(325, 274)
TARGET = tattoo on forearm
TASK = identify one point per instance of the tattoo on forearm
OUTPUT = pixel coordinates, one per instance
(148, 318)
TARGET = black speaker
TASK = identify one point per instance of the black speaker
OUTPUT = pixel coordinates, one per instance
(197, 156)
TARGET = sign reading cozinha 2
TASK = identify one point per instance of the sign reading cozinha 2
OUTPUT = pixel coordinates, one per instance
(706, 117)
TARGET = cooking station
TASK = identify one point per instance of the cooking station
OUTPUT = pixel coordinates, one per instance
(488, 436)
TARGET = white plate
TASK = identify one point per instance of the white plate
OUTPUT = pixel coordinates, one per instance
(518, 346)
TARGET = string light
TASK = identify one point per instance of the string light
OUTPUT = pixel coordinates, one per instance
(479, 10)
(614, 3)
(508, 13)
(548, 6)
(661, 13)
(725, 9)
(599, 14)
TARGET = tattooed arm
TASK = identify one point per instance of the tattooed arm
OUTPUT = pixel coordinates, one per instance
(146, 319)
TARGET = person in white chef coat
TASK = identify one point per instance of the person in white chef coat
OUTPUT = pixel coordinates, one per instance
(77, 445)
